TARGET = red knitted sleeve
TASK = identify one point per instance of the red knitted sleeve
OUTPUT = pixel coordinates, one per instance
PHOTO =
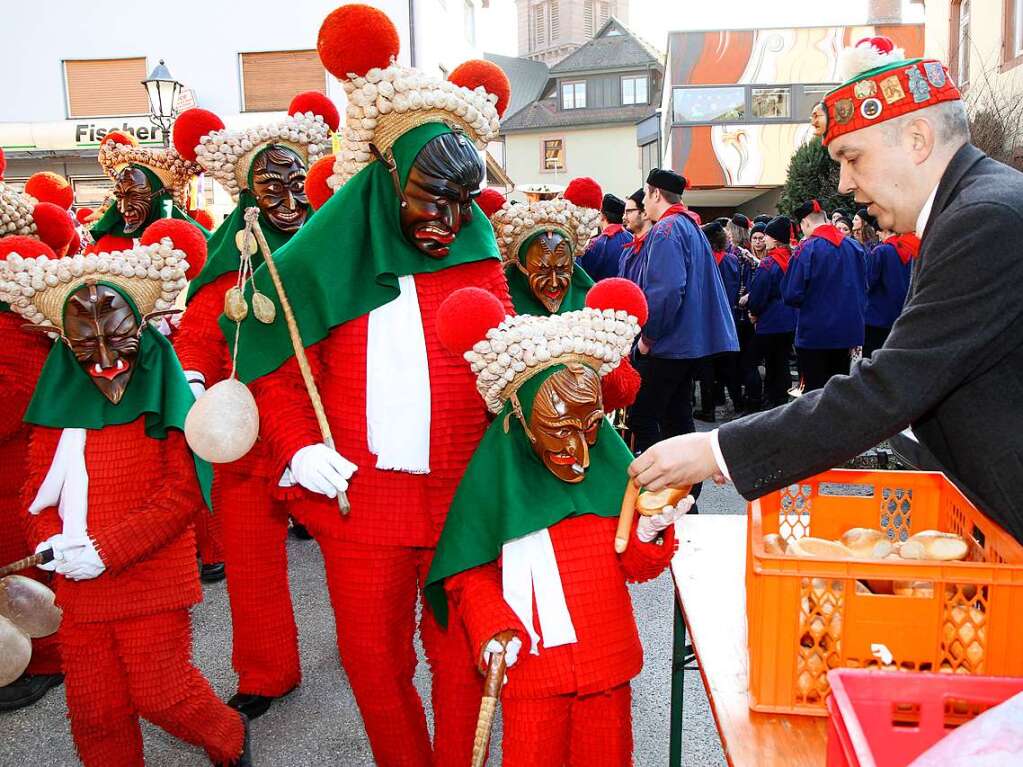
(21, 359)
(286, 418)
(47, 523)
(477, 598)
(645, 561)
(199, 342)
(172, 503)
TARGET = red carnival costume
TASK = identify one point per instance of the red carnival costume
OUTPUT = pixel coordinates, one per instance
(371, 268)
(527, 556)
(111, 489)
(254, 525)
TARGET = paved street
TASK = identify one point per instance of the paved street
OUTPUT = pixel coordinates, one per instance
(319, 723)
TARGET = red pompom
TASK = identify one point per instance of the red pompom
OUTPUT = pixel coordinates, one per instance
(53, 226)
(192, 125)
(620, 387)
(76, 243)
(354, 39)
(119, 137)
(108, 243)
(202, 218)
(490, 201)
(318, 104)
(25, 246)
(316, 188)
(618, 293)
(478, 72)
(46, 186)
(184, 236)
(584, 192)
(3, 164)
(881, 44)
(465, 316)
(82, 215)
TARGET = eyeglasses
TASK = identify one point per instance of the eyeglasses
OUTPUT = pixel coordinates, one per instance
(631, 210)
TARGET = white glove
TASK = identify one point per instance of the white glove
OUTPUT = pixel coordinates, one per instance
(196, 382)
(320, 469)
(81, 561)
(511, 651)
(66, 484)
(56, 543)
(650, 527)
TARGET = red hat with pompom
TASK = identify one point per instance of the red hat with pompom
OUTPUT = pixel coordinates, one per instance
(477, 73)
(490, 201)
(317, 189)
(46, 186)
(189, 129)
(184, 237)
(618, 294)
(316, 103)
(584, 192)
(53, 226)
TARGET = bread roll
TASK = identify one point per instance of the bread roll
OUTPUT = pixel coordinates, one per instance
(649, 504)
(913, 589)
(820, 548)
(935, 546)
(774, 544)
(866, 543)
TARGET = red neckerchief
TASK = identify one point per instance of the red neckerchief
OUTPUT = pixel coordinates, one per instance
(830, 233)
(906, 245)
(719, 255)
(637, 242)
(612, 229)
(674, 210)
(781, 256)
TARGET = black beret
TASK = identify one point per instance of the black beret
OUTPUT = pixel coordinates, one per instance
(613, 205)
(637, 197)
(763, 218)
(780, 229)
(740, 221)
(804, 210)
(667, 180)
(759, 227)
(845, 220)
(712, 229)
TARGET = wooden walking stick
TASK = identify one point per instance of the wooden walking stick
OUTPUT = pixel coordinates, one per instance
(626, 516)
(488, 707)
(251, 216)
(44, 556)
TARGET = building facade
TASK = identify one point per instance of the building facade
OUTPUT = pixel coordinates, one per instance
(581, 121)
(74, 70)
(736, 105)
(549, 30)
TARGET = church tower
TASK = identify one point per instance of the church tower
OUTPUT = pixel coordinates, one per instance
(549, 30)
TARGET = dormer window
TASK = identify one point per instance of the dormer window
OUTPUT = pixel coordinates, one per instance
(634, 90)
(573, 95)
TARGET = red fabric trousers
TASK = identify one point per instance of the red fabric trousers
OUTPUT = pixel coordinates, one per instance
(117, 671)
(13, 546)
(374, 590)
(208, 537)
(576, 730)
(264, 635)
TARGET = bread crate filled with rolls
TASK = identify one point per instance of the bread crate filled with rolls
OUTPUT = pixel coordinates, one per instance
(886, 570)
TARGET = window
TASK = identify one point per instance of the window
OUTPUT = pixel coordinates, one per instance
(271, 79)
(553, 154)
(771, 103)
(573, 95)
(1012, 34)
(634, 90)
(707, 105)
(91, 191)
(469, 20)
(959, 41)
(807, 97)
(1017, 28)
(106, 87)
(650, 157)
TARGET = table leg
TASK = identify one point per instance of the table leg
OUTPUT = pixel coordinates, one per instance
(682, 660)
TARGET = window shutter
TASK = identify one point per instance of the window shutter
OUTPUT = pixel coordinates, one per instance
(106, 87)
(555, 21)
(271, 80)
(588, 18)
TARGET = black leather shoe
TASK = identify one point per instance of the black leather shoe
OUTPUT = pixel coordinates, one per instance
(250, 706)
(27, 689)
(213, 573)
(299, 532)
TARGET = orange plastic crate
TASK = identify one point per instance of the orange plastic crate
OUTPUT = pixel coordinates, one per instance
(807, 616)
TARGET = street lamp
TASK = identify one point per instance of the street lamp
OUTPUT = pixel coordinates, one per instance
(162, 90)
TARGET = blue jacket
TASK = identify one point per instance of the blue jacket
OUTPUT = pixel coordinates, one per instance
(766, 302)
(603, 258)
(729, 267)
(826, 281)
(887, 285)
(689, 312)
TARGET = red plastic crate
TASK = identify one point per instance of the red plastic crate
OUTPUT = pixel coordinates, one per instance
(887, 719)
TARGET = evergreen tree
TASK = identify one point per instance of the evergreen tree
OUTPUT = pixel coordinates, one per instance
(813, 175)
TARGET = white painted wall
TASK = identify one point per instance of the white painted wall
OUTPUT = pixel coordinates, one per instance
(607, 154)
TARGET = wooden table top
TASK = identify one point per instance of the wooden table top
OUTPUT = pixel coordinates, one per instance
(709, 571)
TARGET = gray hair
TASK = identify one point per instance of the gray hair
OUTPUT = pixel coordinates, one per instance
(950, 120)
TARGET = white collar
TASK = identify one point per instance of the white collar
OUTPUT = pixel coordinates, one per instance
(925, 213)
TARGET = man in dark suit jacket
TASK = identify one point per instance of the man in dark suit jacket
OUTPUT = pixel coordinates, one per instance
(953, 364)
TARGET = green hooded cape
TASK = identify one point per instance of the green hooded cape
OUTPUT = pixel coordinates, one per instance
(507, 492)
(163, 206)
(526, 303)
(346, 260)
(65, 397)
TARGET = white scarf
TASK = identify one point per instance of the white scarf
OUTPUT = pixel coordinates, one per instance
(66, 484)
(529, 566)
(398, 384)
